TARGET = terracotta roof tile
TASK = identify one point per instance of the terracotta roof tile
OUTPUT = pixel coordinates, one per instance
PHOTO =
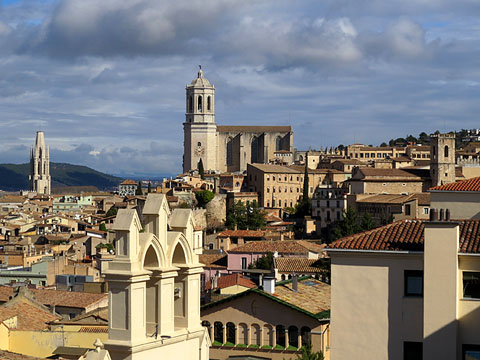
(7, 355)
(217, 261)
(128, 182)
(464, 185)
(297, 265)
(57, 297)
(29, 317)
(241, 233)
(231, 280)
(407, 235)
(282, 247)
(312, 296)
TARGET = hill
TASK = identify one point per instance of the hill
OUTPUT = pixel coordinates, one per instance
(14, 177)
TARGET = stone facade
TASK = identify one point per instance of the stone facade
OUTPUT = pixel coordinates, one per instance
(442, 154)
(40, 166)
(225, 148)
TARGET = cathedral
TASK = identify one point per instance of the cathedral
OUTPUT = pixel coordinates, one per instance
(225, 148)
(40, 181)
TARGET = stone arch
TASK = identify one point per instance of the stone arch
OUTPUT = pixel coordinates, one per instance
(180, 251)
(231, 332)
(280, 333)
(305, 332)
(243, 333)
(268, 334)
(200, 103)
(218, 332)
(256, 337)
(154, 255)
(209, 103)
(293, 336)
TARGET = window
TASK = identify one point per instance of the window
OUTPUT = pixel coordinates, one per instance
(425, 211)
(268, 189)
(200, 106)
(209, 103)
(279, 203)
(445, 151)
(199, 144)
(407, 209)
(244, 262)
(230, 153)
(254, 150)
(412, 350)
(471, 352)
(471, 285)
(413, 282)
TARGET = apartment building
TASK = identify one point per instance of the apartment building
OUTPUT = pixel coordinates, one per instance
(408, 290)
(328, 204)
(366, 153)
(384, 181)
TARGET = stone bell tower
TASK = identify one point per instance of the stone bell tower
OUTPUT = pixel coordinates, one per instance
(200, 130)
(442, 159)
(40, 166)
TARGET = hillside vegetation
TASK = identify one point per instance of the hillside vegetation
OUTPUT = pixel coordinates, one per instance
(14, 177)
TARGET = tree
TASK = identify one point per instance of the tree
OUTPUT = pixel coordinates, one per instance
(201, 170)
(102, 227)
(255, 216)
(265, 262)
(236, 216)
(367, 222)
(349, 224)
(149, 190)
(111, 212)
(383, 144)
(308, 354)
(139, 189)
(204, 197)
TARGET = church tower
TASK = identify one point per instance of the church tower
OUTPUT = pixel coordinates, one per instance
(442, 159)
(40, 166)
(200, 130)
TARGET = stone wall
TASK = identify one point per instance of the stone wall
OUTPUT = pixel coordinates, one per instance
(217, 211)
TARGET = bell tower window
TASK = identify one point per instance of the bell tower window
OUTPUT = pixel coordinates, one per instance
(200, 105)
(209, 103)
(445, 151)
(190, 104)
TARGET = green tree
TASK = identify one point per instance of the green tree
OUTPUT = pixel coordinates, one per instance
(349, 225)
(236, 216)
(111, 212)
(201, 170)
(102, 227)
(255, 216)
(149, 190)
(139, 189)
(308, 354)
(265, 262)
(204, 197)
(367, 222)
(383, 144)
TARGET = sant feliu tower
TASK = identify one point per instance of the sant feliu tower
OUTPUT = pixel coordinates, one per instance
(40, 166)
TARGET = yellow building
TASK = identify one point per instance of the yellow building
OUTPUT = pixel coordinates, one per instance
(408, 290)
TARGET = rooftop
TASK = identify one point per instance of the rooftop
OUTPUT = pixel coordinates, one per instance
(298, 265)
(241, 233)
(407, 235)
(463, 185)
(231, 280)
(276, 169)
(128, 182)
(282, 247)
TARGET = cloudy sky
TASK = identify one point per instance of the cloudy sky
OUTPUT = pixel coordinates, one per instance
(105, 79)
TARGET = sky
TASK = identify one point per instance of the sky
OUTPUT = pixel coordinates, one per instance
(105, 80)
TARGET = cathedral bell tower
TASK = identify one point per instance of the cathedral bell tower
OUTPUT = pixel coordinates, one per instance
(200, 130)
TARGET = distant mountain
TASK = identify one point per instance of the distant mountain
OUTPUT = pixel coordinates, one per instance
(14, 177)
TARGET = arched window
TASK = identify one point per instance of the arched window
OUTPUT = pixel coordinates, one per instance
(445, 151)
(433, 151)
(200, 105)
(283, 277)
(293, 336)
(199, 144)
(254, 150)
(278, 143)
(218, 332)
(280, 332)
(243, 334)
(256, 334)
(268, 335)
(230, 151)
(231, 332)
(209, 103)
(305, 333)
(190, 104)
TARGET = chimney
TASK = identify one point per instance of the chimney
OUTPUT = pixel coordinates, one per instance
(269, 284)
(295, 282)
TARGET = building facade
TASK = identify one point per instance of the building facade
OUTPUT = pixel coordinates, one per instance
(225, 148)
(442, 155)
(40, 181)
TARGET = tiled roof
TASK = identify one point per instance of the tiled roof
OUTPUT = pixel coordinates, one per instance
(57, 297)
(241, 233)
(217, 261)
(407, 235)
(464, 185)
(128, 182)
(376, 174)
(275, 169)
(256, 129)
(29, 317)
(312, 298)
(231, 280)
(423, 199)
(7, 355)
(297, 265)
(282, 247)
